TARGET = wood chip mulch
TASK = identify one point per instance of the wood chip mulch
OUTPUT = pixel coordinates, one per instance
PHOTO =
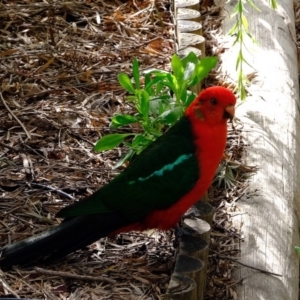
(59, 67)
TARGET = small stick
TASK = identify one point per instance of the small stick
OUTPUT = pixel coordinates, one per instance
(47, 187)
(8, 147)
(74, 276)
(14, 116)
(6, 286)
(247, 266)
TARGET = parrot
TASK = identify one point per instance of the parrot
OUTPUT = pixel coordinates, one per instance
(154, 191)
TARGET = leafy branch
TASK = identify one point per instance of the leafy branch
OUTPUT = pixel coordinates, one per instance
(156, 107)
(241, 32)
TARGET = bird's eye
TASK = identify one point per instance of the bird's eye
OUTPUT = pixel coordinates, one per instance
(213, 101)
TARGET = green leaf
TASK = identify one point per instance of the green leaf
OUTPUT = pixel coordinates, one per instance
(140, 142)
(245, 22)
(131, 98)
(189, 71)
(252, 38)
(136, 73)
(297, 248)
(160, 86)
(177, 67)
(124, 158)
(121, 120)
(144, 104)
(255, 7)
(153, 70)
(274, 4)
(184, 94)
(152, 82)
(147, 79)
(243, 94)
(171, 82)
(239, 60)
(189, 99)
(171, 116)
(125, 82)
(190, 58)
(156, 104)
(234, 13)
(233, 29)
(110, 141)
(204, 66)
(240, 6)
(160, 74)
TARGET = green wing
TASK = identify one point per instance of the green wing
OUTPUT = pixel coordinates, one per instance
(156, 179)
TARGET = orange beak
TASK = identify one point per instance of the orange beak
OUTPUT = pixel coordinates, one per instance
(229, 112)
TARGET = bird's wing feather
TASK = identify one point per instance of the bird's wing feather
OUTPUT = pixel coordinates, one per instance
(156, 179)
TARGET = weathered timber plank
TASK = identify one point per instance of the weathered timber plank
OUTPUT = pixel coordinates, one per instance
(271, 117)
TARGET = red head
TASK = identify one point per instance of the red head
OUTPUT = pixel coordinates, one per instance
(213, 105)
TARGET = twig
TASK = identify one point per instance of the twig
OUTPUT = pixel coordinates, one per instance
(8, 147)
(247, 266)
(79, 137)
(42, 186)
(6, 286)
(29, 148)
(74, 276)
(14, 116)
(215, 224)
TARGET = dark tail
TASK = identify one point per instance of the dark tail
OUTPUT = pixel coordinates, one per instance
(72, 234)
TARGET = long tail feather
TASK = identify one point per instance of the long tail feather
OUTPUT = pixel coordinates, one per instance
(71, 235)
